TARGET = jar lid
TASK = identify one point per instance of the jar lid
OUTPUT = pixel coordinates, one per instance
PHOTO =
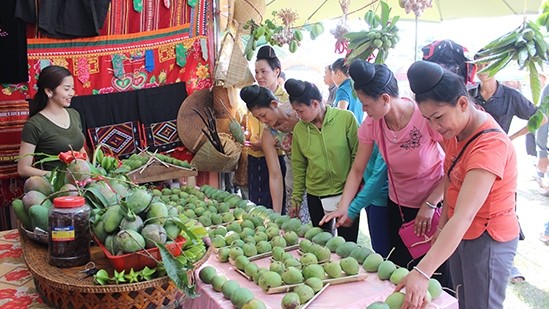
(69, 201)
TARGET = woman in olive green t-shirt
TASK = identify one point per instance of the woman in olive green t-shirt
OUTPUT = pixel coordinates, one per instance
(52, 127)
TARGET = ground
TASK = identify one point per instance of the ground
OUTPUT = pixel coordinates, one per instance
(532, 257)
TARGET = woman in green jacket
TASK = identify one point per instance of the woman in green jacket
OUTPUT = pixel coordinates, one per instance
(323, 148)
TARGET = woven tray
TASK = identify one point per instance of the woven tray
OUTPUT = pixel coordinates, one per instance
(66, 287)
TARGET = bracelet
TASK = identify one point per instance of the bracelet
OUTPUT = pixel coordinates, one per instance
(431, 205)
(422, 273)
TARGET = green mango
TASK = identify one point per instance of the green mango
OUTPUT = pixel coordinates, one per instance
(21, 213)
(112, 218)
(39, 217)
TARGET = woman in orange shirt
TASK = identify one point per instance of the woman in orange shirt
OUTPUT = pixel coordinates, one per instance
(478, 230)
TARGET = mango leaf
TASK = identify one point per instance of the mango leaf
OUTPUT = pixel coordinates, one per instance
(535, 121)
(385, 11)
(535, 84)
(93, 195)
(544, 105)
(176, 271)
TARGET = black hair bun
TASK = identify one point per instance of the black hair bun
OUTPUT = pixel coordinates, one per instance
(266, 52)
(424, 76)
(294, 87)
(362, 72)
(250, 93)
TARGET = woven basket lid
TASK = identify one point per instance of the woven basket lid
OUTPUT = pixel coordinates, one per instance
(189, 124)
(244, 10)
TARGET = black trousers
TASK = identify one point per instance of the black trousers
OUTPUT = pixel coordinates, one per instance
(317, 212)
(401, 256)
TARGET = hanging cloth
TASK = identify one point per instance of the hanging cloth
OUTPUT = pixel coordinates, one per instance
(13, 46)
(65, 19)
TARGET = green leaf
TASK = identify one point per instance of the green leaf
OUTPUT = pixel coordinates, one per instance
(385, 11)
(93, 195)
(176, 271)
(535, 121)
(496, 66)
(535, 84)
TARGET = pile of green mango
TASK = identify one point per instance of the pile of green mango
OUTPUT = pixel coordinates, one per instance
(136, 223)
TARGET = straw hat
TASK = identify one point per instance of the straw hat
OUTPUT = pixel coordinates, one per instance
(189, 124)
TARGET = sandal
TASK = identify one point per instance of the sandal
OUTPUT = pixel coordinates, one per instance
(516, 276)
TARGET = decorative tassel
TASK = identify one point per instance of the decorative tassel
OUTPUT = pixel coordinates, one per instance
(83, 69)
(117, 65)
(138, 5)
(44, 63)
(204, 48)
(180, 55)
(192, 3)
(149, 60)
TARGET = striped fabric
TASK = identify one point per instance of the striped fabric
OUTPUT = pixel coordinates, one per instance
(13, 115)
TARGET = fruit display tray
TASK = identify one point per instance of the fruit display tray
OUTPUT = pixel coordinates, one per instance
(138, 260)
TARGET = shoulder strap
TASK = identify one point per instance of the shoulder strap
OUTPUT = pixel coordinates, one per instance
(383, 149)
(467, 144)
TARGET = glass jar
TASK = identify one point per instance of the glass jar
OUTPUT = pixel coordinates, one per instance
(69, 233)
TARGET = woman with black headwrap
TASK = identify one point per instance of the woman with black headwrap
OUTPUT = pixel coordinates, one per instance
(410, 149)
(478, 230)
(323, 146)
(267, 71)
(279, 120)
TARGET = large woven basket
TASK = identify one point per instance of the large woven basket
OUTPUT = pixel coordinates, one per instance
(66, 287)
(208, 159)
(244, 10)
(189, 124)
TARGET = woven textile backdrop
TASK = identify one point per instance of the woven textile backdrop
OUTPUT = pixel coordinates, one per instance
(145, 38)
(113, 63)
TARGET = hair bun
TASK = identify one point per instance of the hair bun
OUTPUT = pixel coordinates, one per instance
(362, 72)
(294, 87)
(250, 93)
(424, 76)
(266, 52)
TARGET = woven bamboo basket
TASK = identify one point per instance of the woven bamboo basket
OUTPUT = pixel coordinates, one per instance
(208, 159)
(189, 124)
(66, 287)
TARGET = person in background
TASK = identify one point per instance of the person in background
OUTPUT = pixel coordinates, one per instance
(332, 88)
(52, 127)
(410, 149)
(478, 230)
(452, 57)
(344, 98)
(279, 120)
(503, 103)
(267, 72)
(281, 79)
(323, 147)
(542, 162)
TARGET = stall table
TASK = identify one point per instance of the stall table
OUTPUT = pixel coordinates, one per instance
(17, 289)
(348, 295)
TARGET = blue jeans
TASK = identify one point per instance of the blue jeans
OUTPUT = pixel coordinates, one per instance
(378, 226)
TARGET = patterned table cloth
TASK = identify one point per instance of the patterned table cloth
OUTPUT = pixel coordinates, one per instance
(16, 285)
